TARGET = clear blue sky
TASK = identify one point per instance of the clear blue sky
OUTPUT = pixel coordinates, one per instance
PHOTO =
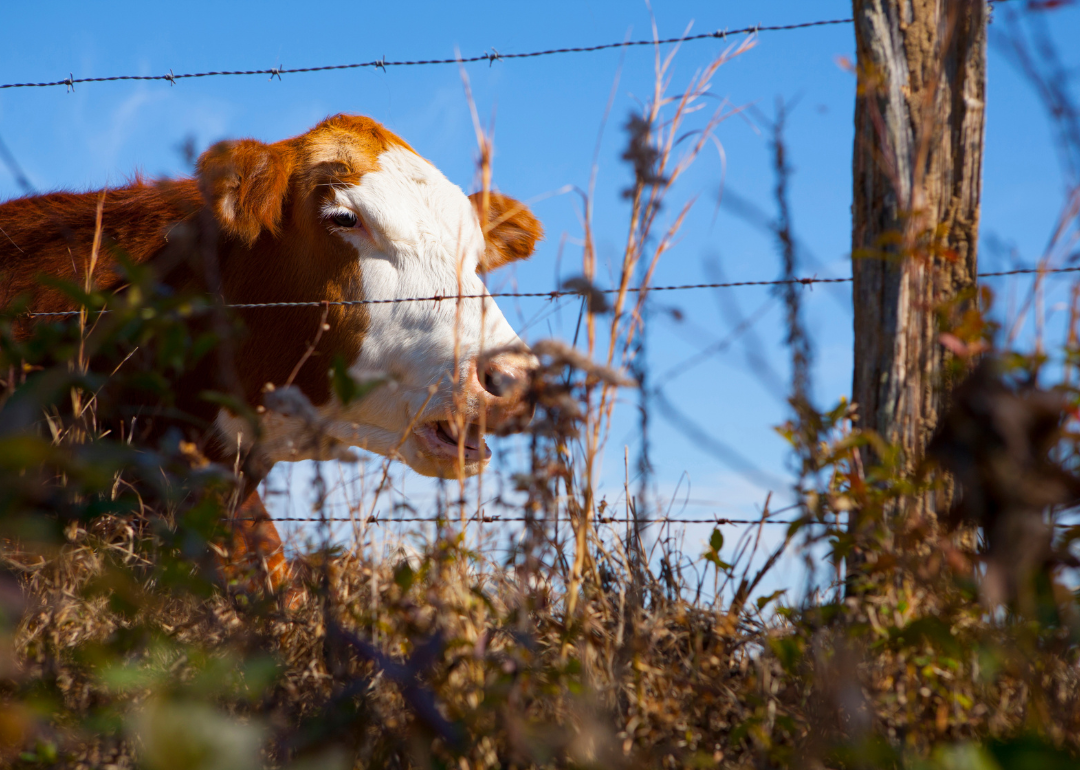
(548, 112)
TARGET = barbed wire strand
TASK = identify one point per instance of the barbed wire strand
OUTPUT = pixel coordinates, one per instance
(521, 519)
(490, 57)
(497, 518)
(556, 294)
(597, 519)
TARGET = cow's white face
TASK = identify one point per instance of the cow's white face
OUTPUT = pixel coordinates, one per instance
(418, 235)
(413, 233)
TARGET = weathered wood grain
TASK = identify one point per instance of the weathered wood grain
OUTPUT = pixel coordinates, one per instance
(917, 165)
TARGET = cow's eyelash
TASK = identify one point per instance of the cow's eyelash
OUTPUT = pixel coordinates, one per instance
(343, 218)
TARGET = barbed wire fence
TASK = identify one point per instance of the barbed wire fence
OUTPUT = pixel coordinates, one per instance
(382, 64)
(559, 293)
(492, 56)
(662, 403)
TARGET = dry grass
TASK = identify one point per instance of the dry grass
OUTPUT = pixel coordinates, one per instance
(483, 671)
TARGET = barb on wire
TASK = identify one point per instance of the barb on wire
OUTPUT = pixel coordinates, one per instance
(490, 57)
(553, 295)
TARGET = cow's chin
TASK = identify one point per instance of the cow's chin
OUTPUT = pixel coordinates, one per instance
(434, 452)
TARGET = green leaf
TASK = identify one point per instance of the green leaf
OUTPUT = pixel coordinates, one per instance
(927, 630)
(788, 650)
(93, 301)
(260, 674)
(346, 388)
(763, 600)
(1032, 752)
(25, 451)
(232, 403)
(711, 557)
(716, 540)
(404, 575)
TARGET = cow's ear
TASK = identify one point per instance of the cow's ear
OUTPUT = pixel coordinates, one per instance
(246, 183)
(511, 231)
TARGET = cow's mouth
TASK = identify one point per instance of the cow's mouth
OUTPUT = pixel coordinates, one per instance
(441, 440)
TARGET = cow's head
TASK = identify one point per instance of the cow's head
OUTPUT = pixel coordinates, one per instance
(348, 211)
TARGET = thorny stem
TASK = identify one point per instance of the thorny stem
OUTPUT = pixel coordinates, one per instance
(797, 341)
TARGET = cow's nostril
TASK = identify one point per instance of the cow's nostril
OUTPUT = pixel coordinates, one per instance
(497, 382)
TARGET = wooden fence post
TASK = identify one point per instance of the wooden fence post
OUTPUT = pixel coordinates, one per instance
(919, 117)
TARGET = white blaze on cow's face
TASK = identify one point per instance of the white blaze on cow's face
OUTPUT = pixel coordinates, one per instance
(418, 235)
(412, 234)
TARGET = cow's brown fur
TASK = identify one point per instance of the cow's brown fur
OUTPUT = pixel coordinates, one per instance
(250, 225)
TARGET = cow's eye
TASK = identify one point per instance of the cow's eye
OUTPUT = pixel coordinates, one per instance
(344, 219)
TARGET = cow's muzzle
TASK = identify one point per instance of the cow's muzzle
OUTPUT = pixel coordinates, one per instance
(494, 397)
(505, 379)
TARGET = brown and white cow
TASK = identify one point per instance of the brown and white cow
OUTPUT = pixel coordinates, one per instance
(346, 211)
